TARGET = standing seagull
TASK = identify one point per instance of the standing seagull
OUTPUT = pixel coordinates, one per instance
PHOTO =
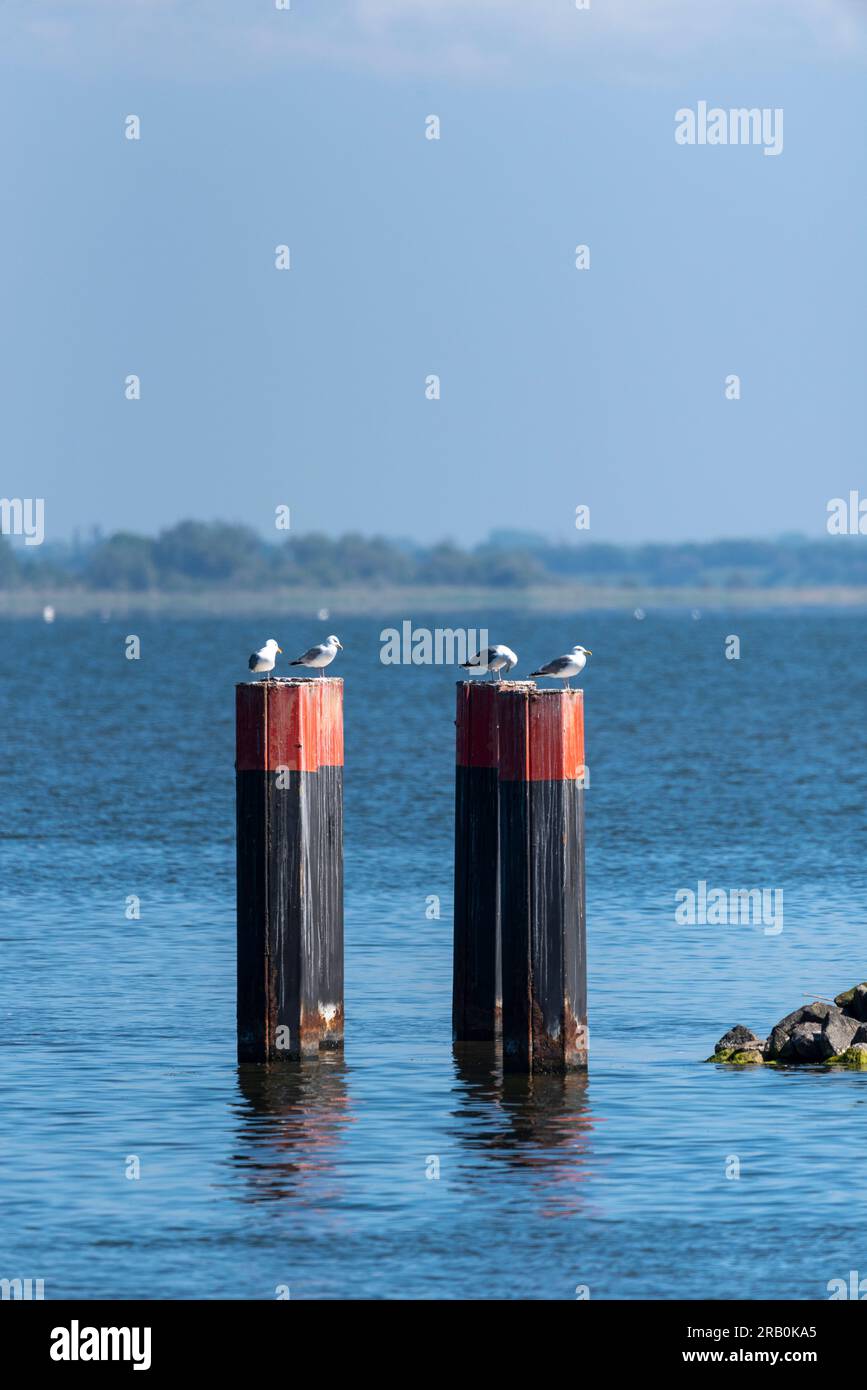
(320, 656)
(492, 659)
(572, 664)
(266, 658)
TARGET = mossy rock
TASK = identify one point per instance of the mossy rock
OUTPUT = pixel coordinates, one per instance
(841, 1000)
(735, 1058)
(852, 1057)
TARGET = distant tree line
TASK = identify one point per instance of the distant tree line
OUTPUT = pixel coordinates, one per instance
(197, 555)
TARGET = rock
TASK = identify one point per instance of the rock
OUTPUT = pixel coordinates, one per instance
(854, 1002)
(805, 1043)
(816, 1032)
(749, 1056)
(855, 1056)
(813, 1033)
(817, 1012)
(738, 1038)
(838, 1032)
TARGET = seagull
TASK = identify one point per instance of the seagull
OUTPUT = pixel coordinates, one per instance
(492, 659)
(265, 659)
(320, 656)
(572, 664)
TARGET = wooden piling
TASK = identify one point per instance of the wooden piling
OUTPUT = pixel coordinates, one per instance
(289, 790)
(541, 819)
(476, 993)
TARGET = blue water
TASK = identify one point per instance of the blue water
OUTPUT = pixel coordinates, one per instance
(119, 1034)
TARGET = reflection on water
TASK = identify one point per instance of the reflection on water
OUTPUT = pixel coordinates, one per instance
(540, 1123)
(292, 1123)
(291, 1120)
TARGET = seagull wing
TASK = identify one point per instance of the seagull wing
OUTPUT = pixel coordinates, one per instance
(481, 658)
(308, 655)
(555, 667)
(254, 658)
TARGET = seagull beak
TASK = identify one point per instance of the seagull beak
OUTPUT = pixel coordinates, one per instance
(280, 650)
(340, 645)
(587, 651)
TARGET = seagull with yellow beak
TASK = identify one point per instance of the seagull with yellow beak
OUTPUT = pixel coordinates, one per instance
(265, 658)
(564, 667)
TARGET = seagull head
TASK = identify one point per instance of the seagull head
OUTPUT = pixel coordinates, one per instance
(272, 642)
(335, 642)
(579, 648)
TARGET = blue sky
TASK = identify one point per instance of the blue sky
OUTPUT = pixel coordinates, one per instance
(411, 257)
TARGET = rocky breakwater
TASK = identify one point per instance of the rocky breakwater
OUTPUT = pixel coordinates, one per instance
(819, 1033)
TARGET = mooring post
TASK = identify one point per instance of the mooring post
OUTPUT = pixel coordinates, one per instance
(476, 993)
(541, 794)
(289, 788)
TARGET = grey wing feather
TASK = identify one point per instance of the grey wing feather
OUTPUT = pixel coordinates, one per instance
(479, 658)
(553, 668)
(306, 656)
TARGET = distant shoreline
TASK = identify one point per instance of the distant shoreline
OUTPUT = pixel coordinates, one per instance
(404, 600)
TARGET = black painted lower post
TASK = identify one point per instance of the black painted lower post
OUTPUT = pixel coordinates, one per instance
(476, 994)
(542, 911)
(289, 788)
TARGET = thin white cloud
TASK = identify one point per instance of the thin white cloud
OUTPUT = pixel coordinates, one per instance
(463, 39)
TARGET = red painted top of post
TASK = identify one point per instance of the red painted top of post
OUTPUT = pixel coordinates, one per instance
(476, 724)
(542, 735)
(293, 724)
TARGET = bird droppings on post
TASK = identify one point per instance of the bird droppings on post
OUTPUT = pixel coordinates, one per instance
(296, 680)
(331, 1025)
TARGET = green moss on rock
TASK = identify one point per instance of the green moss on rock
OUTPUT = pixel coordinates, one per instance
(841, 1000)
(747, 1058)
(852, 1057)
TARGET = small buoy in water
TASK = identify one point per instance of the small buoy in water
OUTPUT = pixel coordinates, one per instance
(323, 614)
(48, 613)
(639, 614)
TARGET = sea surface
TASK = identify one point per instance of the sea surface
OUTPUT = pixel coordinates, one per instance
(653, 1176)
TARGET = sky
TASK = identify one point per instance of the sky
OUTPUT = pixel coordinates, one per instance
(413, 257)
